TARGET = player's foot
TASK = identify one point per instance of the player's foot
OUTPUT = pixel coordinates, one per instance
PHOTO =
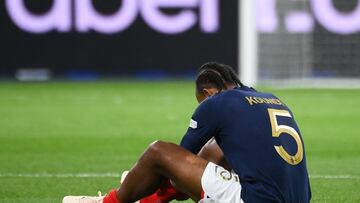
(83, 199)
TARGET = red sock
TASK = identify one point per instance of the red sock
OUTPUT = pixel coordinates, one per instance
(164, 195)
(111, 197)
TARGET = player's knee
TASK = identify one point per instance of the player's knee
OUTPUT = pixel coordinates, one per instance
(157, 152)
(151, 154)
(160, 149)
(157, 147)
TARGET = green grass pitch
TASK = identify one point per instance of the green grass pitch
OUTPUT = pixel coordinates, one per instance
(63, 138)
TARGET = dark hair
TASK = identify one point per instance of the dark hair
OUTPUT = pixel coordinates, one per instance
(209, 78)
(227, 72)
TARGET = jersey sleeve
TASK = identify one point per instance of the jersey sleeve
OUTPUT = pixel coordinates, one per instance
(204, 125)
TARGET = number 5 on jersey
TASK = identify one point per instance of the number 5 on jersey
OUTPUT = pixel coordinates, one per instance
(277, 130)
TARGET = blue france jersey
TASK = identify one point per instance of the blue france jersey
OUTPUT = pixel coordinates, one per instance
(260, 140)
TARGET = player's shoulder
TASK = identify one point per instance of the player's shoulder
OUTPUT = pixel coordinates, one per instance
(240, 92)
(245, 97)
(232, 96)
(210, 101)
(249, 91)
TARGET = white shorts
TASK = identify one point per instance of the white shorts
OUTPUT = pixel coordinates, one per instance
(220, 185)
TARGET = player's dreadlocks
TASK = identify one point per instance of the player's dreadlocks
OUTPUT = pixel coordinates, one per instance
(227, 73)
(209, 78)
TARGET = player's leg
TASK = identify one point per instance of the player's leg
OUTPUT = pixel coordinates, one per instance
(210, 152)
(163, 160)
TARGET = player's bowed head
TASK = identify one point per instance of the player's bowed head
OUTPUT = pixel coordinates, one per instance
(213, 78)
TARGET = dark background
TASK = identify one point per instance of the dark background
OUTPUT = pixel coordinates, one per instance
(139, 49)
(337, 55)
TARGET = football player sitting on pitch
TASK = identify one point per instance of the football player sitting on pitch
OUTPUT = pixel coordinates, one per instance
(256, 134)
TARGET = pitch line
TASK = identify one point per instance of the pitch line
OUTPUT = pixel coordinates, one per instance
(335, 177)
(59, 175)
(118, 175)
